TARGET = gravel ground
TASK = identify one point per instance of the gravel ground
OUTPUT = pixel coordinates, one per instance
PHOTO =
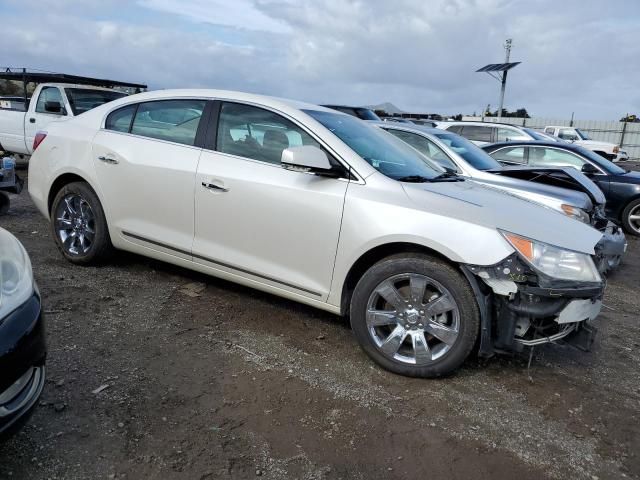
(159, 372)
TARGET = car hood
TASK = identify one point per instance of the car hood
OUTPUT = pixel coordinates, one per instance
(628, 177)
(472, 202)
(524, 188)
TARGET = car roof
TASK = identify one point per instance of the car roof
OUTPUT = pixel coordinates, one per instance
(229, 95)
(409, 126)
(334, 105)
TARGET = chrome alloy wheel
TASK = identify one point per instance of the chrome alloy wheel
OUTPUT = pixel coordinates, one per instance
(75, 224)
(634, 218)
(413, 319)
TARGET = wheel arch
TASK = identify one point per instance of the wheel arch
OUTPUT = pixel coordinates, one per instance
(65, 179)
(373, 256)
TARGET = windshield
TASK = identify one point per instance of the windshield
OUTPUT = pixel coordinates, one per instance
(603, 163)
(474, 155)
(582, 135)
(366, 114)
(380, 149)
(84, 99)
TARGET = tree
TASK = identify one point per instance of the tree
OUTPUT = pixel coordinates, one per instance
(519, 113)
(631, 118)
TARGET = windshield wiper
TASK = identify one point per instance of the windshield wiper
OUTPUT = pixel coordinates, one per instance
(414, 179)
(443, 177)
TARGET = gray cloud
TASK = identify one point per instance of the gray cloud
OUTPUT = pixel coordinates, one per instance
(577, 56)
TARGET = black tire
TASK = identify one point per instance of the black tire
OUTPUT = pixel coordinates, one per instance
(626, 222)
(458, 287)
(100, 248)
(5, 203)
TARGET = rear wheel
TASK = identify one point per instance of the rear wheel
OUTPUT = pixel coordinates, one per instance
(415, 315)
(78, 224)
(631, 218)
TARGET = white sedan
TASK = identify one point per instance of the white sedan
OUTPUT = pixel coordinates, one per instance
(317, 206)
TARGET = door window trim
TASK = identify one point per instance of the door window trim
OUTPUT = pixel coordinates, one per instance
(211, 145)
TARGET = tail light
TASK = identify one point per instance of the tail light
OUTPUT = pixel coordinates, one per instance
(40, 136)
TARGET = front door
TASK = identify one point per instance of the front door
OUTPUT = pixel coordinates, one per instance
(38, 118)
(258, 220)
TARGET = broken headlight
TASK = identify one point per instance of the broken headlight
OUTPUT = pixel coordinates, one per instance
(575, 213)
(554, 261)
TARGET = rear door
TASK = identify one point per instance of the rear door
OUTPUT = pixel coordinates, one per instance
(146, 159)
(40, 116)
(258, 220)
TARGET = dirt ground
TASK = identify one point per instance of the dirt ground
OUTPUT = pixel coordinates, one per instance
(159, 372)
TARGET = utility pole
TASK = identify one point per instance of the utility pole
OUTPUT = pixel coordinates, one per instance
(507, 47)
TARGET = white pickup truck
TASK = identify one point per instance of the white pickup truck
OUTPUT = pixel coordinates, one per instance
(50, 102)
(610, 151)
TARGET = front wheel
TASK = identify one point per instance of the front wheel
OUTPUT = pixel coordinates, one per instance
(631, 218)
(415, 315)
(78, 224)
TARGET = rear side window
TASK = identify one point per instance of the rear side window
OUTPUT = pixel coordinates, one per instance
(120, 120)
(477, 133)
(171, 120)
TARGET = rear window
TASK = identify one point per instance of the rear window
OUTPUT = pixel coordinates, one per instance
(84, 99)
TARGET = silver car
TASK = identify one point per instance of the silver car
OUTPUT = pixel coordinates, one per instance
(583, 200)
(322, 208)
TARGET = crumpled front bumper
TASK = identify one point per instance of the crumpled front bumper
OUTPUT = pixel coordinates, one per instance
(520, 309)
(611, 248)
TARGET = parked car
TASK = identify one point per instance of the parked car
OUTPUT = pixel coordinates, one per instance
(22, 344)
(620, 187)
(482, 133)
(53, 102)
(9, 183)
(608, 150)
(544, 137)
(362, 113)
(320, 207)
(583, 202)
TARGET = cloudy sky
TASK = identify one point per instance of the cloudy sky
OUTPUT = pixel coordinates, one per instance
(578, 56)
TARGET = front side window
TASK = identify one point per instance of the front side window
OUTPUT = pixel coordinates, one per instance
(513, 155)
(171, 120)
(477, 133)
(384, 152)
(84, 99)
(258, 134)
(426, 147)
(506, 134)
(551, 157)
(49, 94)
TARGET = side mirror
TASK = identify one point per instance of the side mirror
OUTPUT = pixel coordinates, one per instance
(589, 169)
(308, 158)
(53, 107)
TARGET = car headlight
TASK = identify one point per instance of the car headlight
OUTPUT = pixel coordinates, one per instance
(16, 277)
(575, 213)
(555, 262)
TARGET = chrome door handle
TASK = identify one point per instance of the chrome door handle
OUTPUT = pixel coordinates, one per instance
(214, 187)
(109, 160)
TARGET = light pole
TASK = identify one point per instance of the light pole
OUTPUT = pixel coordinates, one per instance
(501, 77)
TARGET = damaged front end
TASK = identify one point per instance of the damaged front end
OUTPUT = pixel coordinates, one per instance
(521, 306)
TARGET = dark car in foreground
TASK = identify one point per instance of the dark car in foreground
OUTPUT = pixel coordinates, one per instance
(621, 187)
(22, 344)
